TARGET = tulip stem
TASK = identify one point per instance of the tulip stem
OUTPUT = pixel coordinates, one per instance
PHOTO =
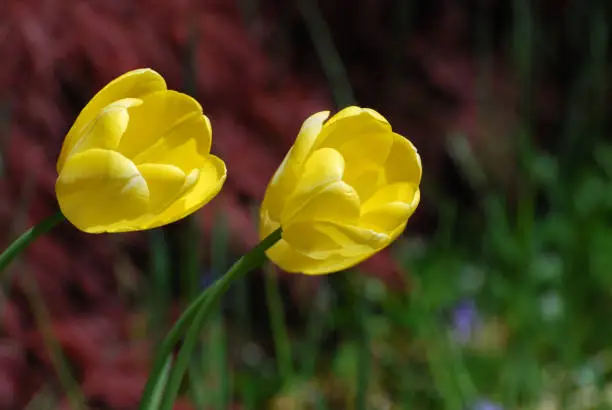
(332, 64)
(195, 316)
(27, 238)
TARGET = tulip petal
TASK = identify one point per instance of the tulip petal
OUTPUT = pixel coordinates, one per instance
(100, 190)
(321, 240)
(165, 184)
(354, 111)
(390, 207)
(185, 146)
(105, 131)
(201, 186)
(364, 156)
(266, 224)
(350, 122)
(403, 163)
(336, 201)
(285, 178)
(369, 179)
(133, 84)
(300, 150)
(278, 190)
(324, 167)
(346, 112)
(165, 121)
(373, 148)
(292, 261)
(311, 128)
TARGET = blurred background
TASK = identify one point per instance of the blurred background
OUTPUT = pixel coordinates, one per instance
(498, 296)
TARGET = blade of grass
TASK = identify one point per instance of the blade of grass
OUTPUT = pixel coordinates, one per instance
(166, 347)
(203, 310)
(58, 360)
(522, 43)
(248, 382)
(328, 54)
(209, 364)
(241, 303)
(452, 381)
(19, 223)
(218, 350)
(44, 398)
(315, 328)
(196, 382)
(160, 298)
(190, 261)
(276, 313)
(249, 396)
(29, 236)
(219, 364)
(158, 391)
(599, 47)
(365, 353)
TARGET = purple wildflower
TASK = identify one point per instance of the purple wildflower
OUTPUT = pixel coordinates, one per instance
(465, 321)
(484, 404)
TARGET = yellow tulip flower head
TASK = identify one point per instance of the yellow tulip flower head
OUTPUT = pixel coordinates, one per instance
(345, 190)
(137, 157)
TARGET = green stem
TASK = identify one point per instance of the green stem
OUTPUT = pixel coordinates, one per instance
(196, 314)
(365, 353)
(328, 53)
(59, 361)
(159, 298)
(165, 349)
(279, 329)
(27, 238)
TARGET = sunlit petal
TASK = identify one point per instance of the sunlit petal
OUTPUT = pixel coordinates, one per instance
(165, 184)
(320, 240)
(200, 187)
(403, 163)
(285, 177)
(165, 120)
(105, 131)
(98, 188)
(390, 207)
(349, 123)
(133, 84)
(292, 261)
(336, 201)
(323, 168)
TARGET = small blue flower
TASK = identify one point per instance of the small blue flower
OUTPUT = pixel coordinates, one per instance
(465, 320)
(484, 404)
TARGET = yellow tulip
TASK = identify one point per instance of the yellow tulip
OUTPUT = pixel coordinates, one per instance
(137, 157)
(345, 190)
